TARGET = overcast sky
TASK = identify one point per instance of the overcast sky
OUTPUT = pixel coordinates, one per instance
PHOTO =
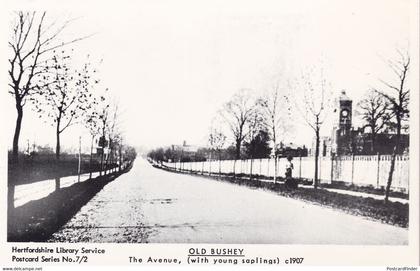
(172, 64)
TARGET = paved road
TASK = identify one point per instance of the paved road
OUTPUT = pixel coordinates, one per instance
(155, 206)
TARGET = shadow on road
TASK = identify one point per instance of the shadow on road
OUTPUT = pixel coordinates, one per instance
(37, 220)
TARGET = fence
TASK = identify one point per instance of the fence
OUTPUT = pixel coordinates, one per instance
(365, 170)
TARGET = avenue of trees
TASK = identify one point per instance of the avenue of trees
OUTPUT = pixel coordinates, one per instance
(44, 78)
(250, 127)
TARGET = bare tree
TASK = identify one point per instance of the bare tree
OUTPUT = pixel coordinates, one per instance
(255, 124)
(398, 96)
(32, 41)
(65, 99)
(313, 105)
(112, 133)
(236, 113)
(373, 109)
(103, 127)
(217, 140)
(92, 123)
(276, 119)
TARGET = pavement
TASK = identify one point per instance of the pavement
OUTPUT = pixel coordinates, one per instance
(149, 205)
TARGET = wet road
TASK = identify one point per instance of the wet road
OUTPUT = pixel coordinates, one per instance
(154, 206)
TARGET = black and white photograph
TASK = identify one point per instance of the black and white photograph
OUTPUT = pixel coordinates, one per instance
(197, 122)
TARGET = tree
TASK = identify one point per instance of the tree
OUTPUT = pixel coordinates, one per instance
(259, 146)
(92, 123)
(65, 99)
(398, 96)
(276, 118)
(113, 135)
(236, 113)
(313, 105)
(374, 110)
(255, 124)
(32, 41)
(217, 141)
(157, 155)
(103, 126)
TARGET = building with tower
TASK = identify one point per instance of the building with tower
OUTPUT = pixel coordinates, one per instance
(347, 140)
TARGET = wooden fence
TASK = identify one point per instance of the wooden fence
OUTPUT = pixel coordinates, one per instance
(364, 170)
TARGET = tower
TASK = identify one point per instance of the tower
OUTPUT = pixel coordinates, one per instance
(345, 114)
(343, 135)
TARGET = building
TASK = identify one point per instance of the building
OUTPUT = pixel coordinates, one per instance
(284, 150)
(325, 146)
(347, 140)
(182, 152)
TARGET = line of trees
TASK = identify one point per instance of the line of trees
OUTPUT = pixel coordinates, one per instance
(44, 75)
(256, 126)
(386, 108)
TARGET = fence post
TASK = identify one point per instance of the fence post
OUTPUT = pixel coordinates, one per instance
(220, 167)
(80, 160)
(210, 167)
(234, 168)
(300, 166)
(319, 169)
(332, 167)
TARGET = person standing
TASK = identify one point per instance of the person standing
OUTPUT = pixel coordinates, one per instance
(290, 182)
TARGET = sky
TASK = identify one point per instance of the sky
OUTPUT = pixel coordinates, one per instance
(171, 65)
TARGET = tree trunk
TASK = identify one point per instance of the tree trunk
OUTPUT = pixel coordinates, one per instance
(372, 145)
(15, 150)
(119, 158)
(275, 168)
(391, 172)
(250, 168)
(103, 152)
(57, 146)
(15, 157)
(393, 158)
(91, 157)
(210, 166)
(107, 161)
(57, 155)
(11, 197)
(234, 169)
(102, 161)
(316, 157)
(220, 165)
(238, 149)
(79, 165)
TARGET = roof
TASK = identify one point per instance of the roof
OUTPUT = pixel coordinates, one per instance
(343, 96)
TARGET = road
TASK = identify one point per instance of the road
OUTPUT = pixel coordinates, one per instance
(155, 206)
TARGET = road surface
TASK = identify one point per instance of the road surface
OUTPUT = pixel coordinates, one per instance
(155, 206)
